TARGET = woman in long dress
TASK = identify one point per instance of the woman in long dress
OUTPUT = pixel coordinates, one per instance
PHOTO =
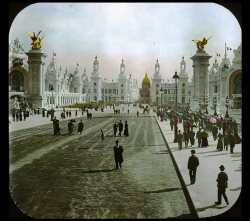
(126, 129)
(220, 143)
(204, 139)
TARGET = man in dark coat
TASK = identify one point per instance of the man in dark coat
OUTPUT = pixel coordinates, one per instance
(80, 127)
(115, 129)
(198, 136)
(193, 163)
(70, 127)
(226, 141)
(180, 140)
(57, 128)
(118, 150)
(76, 112)
(171, 123)
(231, 140)
(70, 113)
(13, 116)
(186, 137)
(67, 113)
(17, 117)
(222, 185)
(120, 128)
(214, 131)
(54, 125)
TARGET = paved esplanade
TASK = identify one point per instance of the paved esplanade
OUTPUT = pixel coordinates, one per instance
(74, 176)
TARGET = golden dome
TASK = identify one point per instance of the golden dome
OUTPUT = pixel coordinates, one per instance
(146, 79)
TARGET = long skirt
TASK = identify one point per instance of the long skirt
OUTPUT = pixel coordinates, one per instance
(237, 138)
(220, 145)
(204, 142)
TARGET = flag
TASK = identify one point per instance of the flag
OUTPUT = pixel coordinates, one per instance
(105, 79)
(112, 80)
(218, 55)
(228, 48)
(54, 54)
(172, 79)
(168, 80)
(163, 79)
(77, 64)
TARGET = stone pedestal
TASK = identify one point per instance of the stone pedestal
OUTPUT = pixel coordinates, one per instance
(200, 75)
(36, 72)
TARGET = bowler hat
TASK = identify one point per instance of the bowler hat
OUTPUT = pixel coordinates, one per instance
(192, 151)
(179, 131)
(117, 141)
(222, 167)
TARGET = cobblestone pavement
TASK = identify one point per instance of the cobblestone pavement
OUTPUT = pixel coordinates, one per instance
(74, 176)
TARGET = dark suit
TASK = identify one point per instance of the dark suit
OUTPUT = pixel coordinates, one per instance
(193, 163)
(222, 185)
(118, 156)
(115, 129)
(231, 140)
(120, 128)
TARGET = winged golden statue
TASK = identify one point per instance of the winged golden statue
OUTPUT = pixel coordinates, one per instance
(35, 44)
(201, 44)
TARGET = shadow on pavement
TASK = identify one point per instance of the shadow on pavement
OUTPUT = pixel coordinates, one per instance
(182, 216)
(162, 152)
(97, 171)
(164, 190)
(216, 154)
(235, 189)
(207, 207)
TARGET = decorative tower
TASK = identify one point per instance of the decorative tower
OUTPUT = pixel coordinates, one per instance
(156, 82)
(182, 96)
(95, 82)
(122, 89)
(36, 70)
(201, 74)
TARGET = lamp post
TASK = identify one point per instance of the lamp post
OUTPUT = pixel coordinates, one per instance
(161, 104)
(227, 105)
(215, 104)
(176, 76)
(52, 111)
(157, 102)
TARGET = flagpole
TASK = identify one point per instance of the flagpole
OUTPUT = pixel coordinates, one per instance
(225, 51)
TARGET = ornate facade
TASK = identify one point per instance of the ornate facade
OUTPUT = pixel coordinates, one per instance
(69, 88)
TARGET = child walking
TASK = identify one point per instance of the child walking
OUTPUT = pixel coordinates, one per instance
(102, 135)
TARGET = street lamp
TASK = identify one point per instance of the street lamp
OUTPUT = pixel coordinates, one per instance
(227, 105)
(176, 76)
(215, 104)
(52, 111)
(161, 104)
(157, 102)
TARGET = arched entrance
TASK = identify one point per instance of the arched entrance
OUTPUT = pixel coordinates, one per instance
(18, 79)
(235, 88)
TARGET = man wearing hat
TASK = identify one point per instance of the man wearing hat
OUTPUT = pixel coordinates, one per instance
(186, 137)
(222, 185)
(231, 140)
(193, 163)
(118, 154)
(120, 125)
(180, 139)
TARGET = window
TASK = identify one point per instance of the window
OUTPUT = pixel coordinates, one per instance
(165, 91)
(189, 92)
(183, 100)
(89, 91)
(110, 91)
(75, 89)
(215, 89)
(114, 91)
(183, 91)
(95, 90)
(102, 90)
(106, 91)
(121, 91)
(168, 91)
(83, 90)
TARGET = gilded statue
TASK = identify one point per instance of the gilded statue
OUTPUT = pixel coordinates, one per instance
(36, 45)
(201, 44)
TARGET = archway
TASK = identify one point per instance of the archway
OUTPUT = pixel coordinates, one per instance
(235, 88)
(18, 79)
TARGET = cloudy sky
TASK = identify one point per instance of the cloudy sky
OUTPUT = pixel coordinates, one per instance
(139, 33)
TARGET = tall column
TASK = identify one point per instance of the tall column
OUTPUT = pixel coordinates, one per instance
(36, 61)
(201, 80)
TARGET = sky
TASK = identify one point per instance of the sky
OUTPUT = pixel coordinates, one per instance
(138, 33)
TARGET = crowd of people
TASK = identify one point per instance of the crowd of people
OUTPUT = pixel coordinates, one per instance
(223, 129)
